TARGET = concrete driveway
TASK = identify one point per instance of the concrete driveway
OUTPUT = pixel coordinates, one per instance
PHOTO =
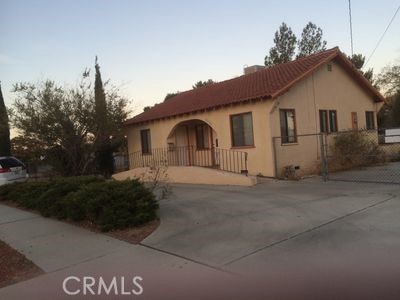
(387, 173)
(317, 238)
(231, 227)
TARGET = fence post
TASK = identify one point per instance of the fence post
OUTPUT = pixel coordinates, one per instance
(324, 159)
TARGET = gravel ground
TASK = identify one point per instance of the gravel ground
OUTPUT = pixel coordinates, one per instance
(15, 267)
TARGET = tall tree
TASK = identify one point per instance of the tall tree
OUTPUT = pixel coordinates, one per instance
(104, 151)
(311, 40)
(389, 83)
(169, 96)
(5, 145)
(389, 114)
(358, 61)
(389, 80)
(285, 45)
(200, 83)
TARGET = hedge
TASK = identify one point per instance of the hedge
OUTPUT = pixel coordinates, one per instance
(107, 204)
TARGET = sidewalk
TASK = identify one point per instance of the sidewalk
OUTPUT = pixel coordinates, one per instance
(53, 245)
(63, 250)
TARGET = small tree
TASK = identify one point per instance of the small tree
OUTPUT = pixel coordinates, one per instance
(62, 125)
(285, 45)
(5, 145)
(311, 40)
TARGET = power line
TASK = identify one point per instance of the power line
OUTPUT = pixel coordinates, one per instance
(381, 38)
(351, 29)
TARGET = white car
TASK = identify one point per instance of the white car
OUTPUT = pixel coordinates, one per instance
(12, 170)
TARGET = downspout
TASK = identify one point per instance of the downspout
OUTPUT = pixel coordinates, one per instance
(275, 105)
(315, 112)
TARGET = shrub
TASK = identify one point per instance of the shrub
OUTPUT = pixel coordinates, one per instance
(356, 149)
(51, 201)
(25, 194)
(114, 204)
(108, 204)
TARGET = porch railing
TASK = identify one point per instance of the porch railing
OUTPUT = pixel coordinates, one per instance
(221, 159)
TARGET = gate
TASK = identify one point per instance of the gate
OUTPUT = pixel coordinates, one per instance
(354, 155)
(361, 156)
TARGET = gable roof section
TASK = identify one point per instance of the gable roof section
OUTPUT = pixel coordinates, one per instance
(265, 84)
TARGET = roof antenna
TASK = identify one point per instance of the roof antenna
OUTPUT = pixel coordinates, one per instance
(351, 29)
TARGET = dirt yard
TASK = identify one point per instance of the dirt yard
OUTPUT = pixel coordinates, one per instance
(15, 267)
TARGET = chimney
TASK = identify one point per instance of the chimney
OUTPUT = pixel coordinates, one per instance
(252, 69)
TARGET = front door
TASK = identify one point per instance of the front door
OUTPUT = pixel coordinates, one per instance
(182, 148)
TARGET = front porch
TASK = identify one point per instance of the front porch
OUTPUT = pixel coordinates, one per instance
(191, 143)
(187, 175)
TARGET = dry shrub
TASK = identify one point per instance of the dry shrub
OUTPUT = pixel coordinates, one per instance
(355, 149)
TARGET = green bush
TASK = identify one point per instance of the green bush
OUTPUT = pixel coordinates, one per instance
(51, 201)
(114, 205)
(108, 204)
(25, 194)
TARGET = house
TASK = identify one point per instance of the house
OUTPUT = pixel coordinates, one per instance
(258, 122)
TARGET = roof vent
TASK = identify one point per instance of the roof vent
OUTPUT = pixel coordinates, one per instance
(252, 69)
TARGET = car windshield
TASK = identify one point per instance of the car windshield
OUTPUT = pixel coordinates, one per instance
(10, 162)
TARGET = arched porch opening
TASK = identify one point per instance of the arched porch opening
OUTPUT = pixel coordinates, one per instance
(192, 143)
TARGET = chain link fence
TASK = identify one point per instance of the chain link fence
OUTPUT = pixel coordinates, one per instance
(357, 156)
(364, 156)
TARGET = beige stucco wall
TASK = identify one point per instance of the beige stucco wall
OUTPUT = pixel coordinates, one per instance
(260, 157)
(323, 90)
(334, 90)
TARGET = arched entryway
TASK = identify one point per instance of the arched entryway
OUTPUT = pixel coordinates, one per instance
(193, 142)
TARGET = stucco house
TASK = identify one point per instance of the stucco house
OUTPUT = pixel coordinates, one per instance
(244, 124)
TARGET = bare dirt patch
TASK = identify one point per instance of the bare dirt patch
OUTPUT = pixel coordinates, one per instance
(133, 235)
(15, 267)
(136, 234)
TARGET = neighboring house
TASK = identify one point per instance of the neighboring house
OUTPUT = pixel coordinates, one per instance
(262, 113)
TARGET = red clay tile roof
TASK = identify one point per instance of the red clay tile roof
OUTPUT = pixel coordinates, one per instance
(268, 83)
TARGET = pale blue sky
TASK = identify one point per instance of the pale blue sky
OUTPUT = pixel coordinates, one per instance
(150, 48)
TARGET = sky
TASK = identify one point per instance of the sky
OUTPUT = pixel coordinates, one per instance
(150, 48)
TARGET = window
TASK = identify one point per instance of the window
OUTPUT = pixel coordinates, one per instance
(333, 121)
(242, 130)
(323, 121)
(328, 121)
(10, 162)
(288, 126)
(202, 136)
(146, 142)
(370, 120)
